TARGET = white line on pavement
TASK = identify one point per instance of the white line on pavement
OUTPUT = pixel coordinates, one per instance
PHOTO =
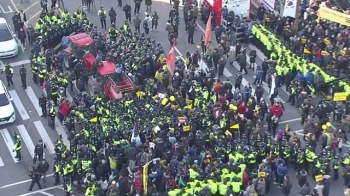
(33, 99)
(41, 190)
(21, 110)
(9, 143)
(44, 136)
(18, 63)
(45, 193)
(288, 121)
(26, 138)
(26, 181)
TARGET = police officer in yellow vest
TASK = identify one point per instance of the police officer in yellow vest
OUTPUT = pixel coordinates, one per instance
(17, 147)
(42, 74)
(67, 186)
(8, 70)
(52, 115)
(57, 169)
(102, 15)
(68, 171)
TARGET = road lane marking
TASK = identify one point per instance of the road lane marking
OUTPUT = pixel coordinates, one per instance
(26, 138)
(9, 143)
(45, 193)
(41, 190)
(33, 4)
(18, 103)
(26, 181)
(18, 63)
(3, 10)
(44, 136)
(34, 100)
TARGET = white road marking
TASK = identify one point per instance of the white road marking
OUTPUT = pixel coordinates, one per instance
(33, 99)
(9, 143)
(45, 193)
(26, 181)
(41, 191)
(26, 138)
(44, 136)
(288, 121)
(18, 63)
(22, 111)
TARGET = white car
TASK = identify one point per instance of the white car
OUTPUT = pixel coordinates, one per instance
(7, 114)
(8, 41)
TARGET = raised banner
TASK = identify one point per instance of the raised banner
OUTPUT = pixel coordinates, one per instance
(334, 16)
(290, 8)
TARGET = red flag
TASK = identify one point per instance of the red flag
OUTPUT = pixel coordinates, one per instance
(170, 61)
(207, 35)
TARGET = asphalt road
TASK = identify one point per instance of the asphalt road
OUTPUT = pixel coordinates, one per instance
(26, 105)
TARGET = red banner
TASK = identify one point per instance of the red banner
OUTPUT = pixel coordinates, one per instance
(207, 35)
(170, 61)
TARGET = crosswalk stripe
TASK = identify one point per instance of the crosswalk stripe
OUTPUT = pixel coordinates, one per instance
(33, 99)
(26, 138)
(1, 163)
(58, 126)
(22, 111)
(44, 136)
(9, 143)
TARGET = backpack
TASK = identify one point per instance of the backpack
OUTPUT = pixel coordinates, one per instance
(145, 24)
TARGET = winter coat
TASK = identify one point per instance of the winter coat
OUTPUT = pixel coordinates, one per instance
(260, 189)
(281, 170)
(305, 190)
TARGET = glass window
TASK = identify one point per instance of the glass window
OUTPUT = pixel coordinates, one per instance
(5, 34)
(3, 100)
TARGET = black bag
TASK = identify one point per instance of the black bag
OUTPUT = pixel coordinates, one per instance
(145, 24)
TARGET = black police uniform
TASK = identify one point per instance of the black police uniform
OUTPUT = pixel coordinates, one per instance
(42, 103)
(9, 73)
(23, 74)
(35, 176)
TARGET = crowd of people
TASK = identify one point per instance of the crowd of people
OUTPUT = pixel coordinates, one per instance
(318, 45)
(182, 132)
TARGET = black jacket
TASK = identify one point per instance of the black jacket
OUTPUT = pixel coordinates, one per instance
(43, 168)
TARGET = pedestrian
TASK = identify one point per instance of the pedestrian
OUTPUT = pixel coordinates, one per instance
(148, 4)
(137, 6)
(39, 151)
(137, 23)
(127, 10)
(35, 176)
(53, 4)
(23, 74)
(287, 186)
(190, 32)
(31, 34)
(112, 15)
(155, 19)
(43, 4)
(120, 3)
(17, 147)
(43, 168)
(22, 36)
(16, 20)
(60, 2)
(147, 23)
(23, 18)
(9, 73)
(42, 103)
(102, 15)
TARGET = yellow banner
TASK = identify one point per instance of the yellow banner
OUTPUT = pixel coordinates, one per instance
(334, 16)
(318, 178)
(340, 96)
(145, 178)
